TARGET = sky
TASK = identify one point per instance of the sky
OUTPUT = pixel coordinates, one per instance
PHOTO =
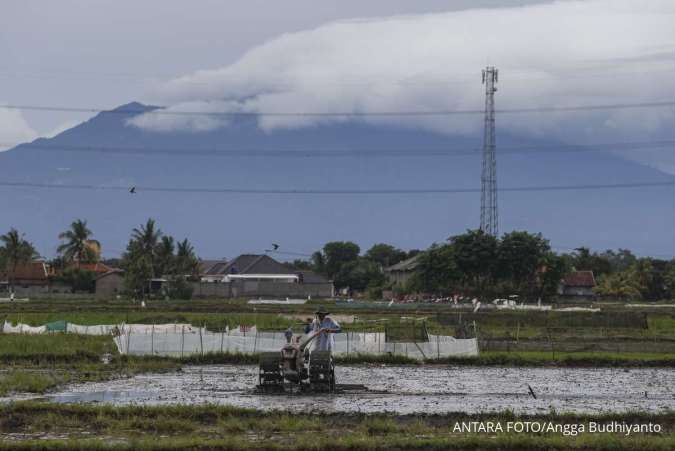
(105, 53)
(345, 55)
(380, 55)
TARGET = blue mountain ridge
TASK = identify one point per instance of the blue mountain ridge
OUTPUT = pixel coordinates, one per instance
(225, 224)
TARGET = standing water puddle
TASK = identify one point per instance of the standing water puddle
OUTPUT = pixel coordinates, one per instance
(402, 389)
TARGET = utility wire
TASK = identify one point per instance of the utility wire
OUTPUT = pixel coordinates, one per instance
(161, 110)
(301, 191)
(668, 145)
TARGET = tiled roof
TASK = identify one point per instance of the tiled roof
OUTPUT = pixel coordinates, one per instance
(111, 272)
(33, 272)
(579, 279)
(98, 268)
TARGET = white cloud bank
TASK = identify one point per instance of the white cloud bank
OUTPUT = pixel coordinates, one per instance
(14, 129)
(560, 54)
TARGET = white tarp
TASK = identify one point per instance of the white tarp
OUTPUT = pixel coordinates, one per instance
(201, 341)
(184, 339)
(20, 328)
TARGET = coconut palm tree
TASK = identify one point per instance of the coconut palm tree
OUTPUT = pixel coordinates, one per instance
(187, 262)
(76, 246)
(146, 239)
(165, 256)
(15, 251)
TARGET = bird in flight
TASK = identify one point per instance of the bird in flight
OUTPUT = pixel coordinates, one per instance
(275, 246)
(132, 190)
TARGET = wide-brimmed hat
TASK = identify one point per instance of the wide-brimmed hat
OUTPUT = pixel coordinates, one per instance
(322, 311)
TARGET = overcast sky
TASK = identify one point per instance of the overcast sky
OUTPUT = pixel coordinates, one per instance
(379, 55)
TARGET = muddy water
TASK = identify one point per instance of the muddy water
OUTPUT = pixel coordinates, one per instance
(403, 389)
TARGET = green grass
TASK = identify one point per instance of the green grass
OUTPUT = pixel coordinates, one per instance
(565, 359)
(30, 382)
(210, 427)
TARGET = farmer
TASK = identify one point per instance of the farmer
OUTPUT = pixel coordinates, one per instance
(326, 326)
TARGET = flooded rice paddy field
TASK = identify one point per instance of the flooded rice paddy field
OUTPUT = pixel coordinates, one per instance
(402, 389)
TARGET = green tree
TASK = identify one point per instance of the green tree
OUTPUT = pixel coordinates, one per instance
(338, 253)
(318, 262)
(520, 258)
(187, 263)
(79, 279)
(76, 246)
(385, 254)
(554, 268)
(146, 239)
(475, 254)
(584, 260)
(436, 271)
(359, 275)
(620, 260)
(669, 279)
(138, 269)
(165, 257)
(621, 285)
(15, 251)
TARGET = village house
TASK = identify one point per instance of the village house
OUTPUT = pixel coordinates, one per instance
(259, 275)
(577, 284)
(399, 274)
(109, 285)
(27, 278)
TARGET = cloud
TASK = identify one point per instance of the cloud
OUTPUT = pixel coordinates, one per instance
(14, 129)
(560, 54)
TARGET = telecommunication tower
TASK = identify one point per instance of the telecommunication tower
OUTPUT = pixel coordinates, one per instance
(489, 221)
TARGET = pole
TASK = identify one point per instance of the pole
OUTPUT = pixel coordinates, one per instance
(222, 338)
(201, 340)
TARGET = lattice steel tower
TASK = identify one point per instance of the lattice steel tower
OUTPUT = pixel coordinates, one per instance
(489, 221)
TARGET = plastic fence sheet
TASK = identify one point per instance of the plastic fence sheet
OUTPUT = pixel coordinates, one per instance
(20, 328)
(201, 341)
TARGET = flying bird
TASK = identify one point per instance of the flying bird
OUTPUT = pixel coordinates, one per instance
(132, 190)
(275, 246)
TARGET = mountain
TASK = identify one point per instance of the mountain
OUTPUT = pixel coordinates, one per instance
(107, 151)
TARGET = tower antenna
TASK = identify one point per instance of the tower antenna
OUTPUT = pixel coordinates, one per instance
(489, 220)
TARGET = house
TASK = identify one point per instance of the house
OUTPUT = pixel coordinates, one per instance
(577, 284)
(210, 270)
(251, 267)
(109, 285)
(32, 276)
(259, 275)
(400, 273)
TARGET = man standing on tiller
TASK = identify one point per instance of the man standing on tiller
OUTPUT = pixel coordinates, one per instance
(326, 326)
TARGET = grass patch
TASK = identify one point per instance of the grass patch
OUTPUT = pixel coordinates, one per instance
(568, 359)
(29, 382)
(213, 427)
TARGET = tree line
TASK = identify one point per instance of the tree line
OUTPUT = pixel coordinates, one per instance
(150, 253)
(477, 264)
(472, 263)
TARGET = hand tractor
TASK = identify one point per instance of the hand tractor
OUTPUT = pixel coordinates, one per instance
(295, 367)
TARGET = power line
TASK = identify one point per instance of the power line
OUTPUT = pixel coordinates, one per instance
(161, 110)
(318, 153)
(395, 191)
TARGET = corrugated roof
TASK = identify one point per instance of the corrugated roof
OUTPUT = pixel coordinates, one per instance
(579, 279)
(406, 265)
(250, 264)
